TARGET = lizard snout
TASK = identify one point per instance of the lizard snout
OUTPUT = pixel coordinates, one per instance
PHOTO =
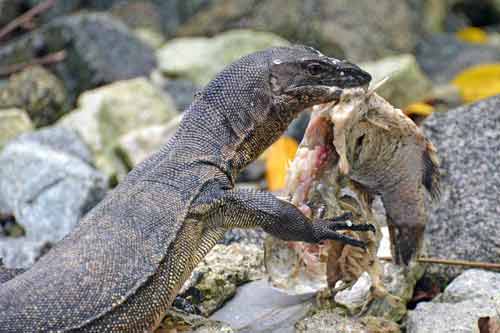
(349, 75)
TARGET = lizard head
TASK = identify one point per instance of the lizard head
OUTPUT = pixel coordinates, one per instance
(304, 77)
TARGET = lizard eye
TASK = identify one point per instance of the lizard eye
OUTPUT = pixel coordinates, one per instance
(314, 69)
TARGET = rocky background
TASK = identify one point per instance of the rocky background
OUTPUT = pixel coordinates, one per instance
(88, 89)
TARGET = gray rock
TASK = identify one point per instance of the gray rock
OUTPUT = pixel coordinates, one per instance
(47, 183)
(9, 10)
(38, 92)
(167, 15)
(252, 173)
(138, 14)
(59, 8)
(298, 126)
(182, 91)
(61, 140)
(464, 224)
(251, 236)
(459, 317)
(432, 14)
(472, 284)
(176, 12)
(99, 50)
(442, 57)
(333, 26)
(258, 307)
(471, 295)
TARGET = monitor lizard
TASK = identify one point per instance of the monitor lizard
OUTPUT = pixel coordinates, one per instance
(122, 266)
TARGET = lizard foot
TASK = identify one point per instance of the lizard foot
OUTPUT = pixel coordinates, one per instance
(324, 229)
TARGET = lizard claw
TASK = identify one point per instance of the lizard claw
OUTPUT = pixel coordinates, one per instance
(348, 225)
(327, 229)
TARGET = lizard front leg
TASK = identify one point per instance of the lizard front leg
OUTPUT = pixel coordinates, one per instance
(250, 209)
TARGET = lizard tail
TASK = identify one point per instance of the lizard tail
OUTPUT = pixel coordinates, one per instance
(7, 274)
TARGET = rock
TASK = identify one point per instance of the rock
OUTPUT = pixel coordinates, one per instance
(400, 283)
(183, 91)
(12, 123)
(298, 126)
(135, 146)
(215, 279)
(59, 8)
(150, 37)
(175, 321)
(258, 307)
(472, 284)
(463, 225)
(407, 84)
(442, 57)
(37, 91)
(472, 295)
(336, 320)
(251, 236)
(199, 59)
(432, 14)
(136, 14)
(175, 12)
(9, 10)
(332, 26)
(106, 114)
(98, 48)
(47, 184)
(356, 297)
(252, 173)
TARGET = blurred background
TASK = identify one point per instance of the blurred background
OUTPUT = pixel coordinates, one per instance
(89, 88)
(439, 54)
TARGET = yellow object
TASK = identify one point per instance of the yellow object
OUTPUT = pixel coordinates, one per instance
(478, 82)
(419, 109)
(279, 156)
(472, 35)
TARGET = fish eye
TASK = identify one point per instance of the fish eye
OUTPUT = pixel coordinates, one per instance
(314, 68)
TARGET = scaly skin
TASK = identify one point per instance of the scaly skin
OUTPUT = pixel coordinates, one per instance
(121, 268)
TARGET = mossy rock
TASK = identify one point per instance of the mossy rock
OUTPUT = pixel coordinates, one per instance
(199, 59)
(37, 91)
(12, 123)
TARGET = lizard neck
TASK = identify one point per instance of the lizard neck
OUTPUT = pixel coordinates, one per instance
(226, 140)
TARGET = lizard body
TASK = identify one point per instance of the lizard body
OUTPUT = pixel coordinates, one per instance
(122, 266)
